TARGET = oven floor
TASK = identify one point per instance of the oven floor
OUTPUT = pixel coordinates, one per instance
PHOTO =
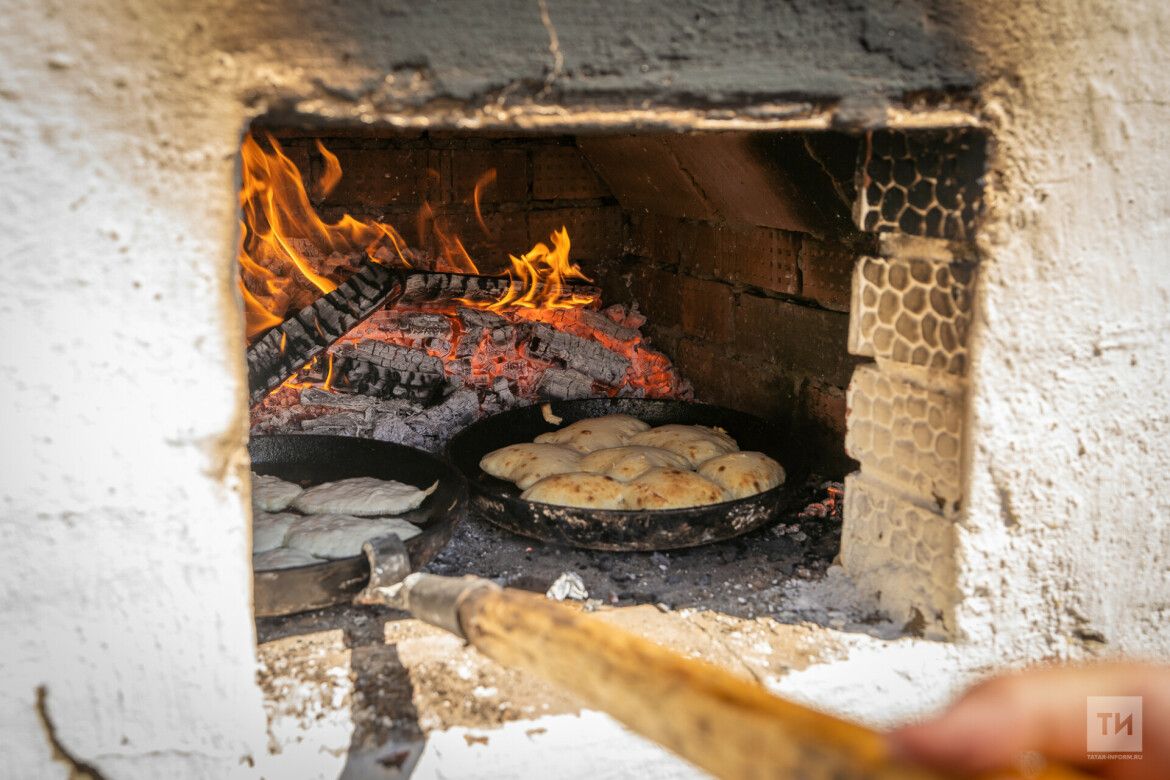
(362, 692)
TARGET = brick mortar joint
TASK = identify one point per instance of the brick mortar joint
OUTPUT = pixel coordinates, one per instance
(737, 288)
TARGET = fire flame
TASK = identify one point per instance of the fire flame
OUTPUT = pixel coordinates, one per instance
(289, 256)
(538, 279)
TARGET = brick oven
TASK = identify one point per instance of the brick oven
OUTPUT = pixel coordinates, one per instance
(867, 225)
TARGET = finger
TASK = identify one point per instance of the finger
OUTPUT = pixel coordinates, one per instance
(996, 722)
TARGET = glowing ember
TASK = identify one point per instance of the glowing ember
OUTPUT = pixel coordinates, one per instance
(417, 370)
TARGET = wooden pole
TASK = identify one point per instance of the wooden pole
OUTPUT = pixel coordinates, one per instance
(728, 726)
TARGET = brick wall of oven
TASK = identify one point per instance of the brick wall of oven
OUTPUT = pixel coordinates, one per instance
(757, 318)
(541, 184)
(739, 247)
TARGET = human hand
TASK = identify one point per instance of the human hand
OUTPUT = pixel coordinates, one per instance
(999, 722)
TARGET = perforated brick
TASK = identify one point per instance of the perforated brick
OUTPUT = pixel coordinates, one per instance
(907, 435)
(912, 311)
(922, 183)
(903, 552)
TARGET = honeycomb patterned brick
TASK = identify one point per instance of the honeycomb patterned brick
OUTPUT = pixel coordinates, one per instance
(907, 436)
(922, 183)
(912, 311)
(901, 551)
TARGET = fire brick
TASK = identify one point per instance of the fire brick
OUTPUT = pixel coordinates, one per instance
(748, 386)
(727, 169)
(826, 273)
(808, 341)
(707, 309)
(825, 405)
(760, 257)
(654, 291)
(643, 174)
(656, 237)
(376, 178)
(596, 233)
(467, 165)
(562, 172)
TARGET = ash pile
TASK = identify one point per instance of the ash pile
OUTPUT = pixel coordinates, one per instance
(421, 369)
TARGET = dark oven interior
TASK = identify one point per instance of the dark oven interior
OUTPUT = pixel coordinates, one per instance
(717, 265)
(732, 250)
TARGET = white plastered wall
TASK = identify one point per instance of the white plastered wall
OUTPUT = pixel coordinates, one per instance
(125, 577)
(1065, 543)
(1047, 532)
(124, 549)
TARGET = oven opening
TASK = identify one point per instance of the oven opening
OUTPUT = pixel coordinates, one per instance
(418, 300)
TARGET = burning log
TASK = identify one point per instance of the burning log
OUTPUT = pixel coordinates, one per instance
(297, 340)
(315, 396)
(583, 355)
(437, 286)
(589, 321)
(418, 328)
(477, 322)
(383, 370)
(300, 338)
(564, 384)
(430, 428)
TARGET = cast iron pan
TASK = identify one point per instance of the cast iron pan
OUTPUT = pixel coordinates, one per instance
(311, 459)
(614, 529)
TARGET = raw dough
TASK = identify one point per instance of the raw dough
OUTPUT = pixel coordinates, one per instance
(527, 464)
(672, 489)
(362, 496)
(268, 530)
(580, 489)
(595, 433)
(696, 443)
(341, 536)
(743, 474)
(631, 461)
(272, 494)
(282, 558)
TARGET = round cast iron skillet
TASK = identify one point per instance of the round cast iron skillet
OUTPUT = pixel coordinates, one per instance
(616, 529)
(311, 459)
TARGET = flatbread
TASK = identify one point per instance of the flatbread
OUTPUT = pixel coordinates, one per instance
(282, 558)
(268, 530)
(362, 497)
(696, 443)
(341, 536)
(595, 433)
(527, 464)
(631, 461)
(579, 489)
(672, 489)
(272, 494)
(743, 474)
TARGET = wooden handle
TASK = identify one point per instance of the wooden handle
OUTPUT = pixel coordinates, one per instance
(728, 726)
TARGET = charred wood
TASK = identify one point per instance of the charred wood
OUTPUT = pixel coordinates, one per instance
(564, 385)
(300, 338)
(383, 370)
(583, 355)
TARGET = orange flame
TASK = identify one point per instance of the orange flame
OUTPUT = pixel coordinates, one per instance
(449, 244)
(539, 276)
(289, 256)
(485, 178)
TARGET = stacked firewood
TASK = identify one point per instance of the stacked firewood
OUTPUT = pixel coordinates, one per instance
(437, 358)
